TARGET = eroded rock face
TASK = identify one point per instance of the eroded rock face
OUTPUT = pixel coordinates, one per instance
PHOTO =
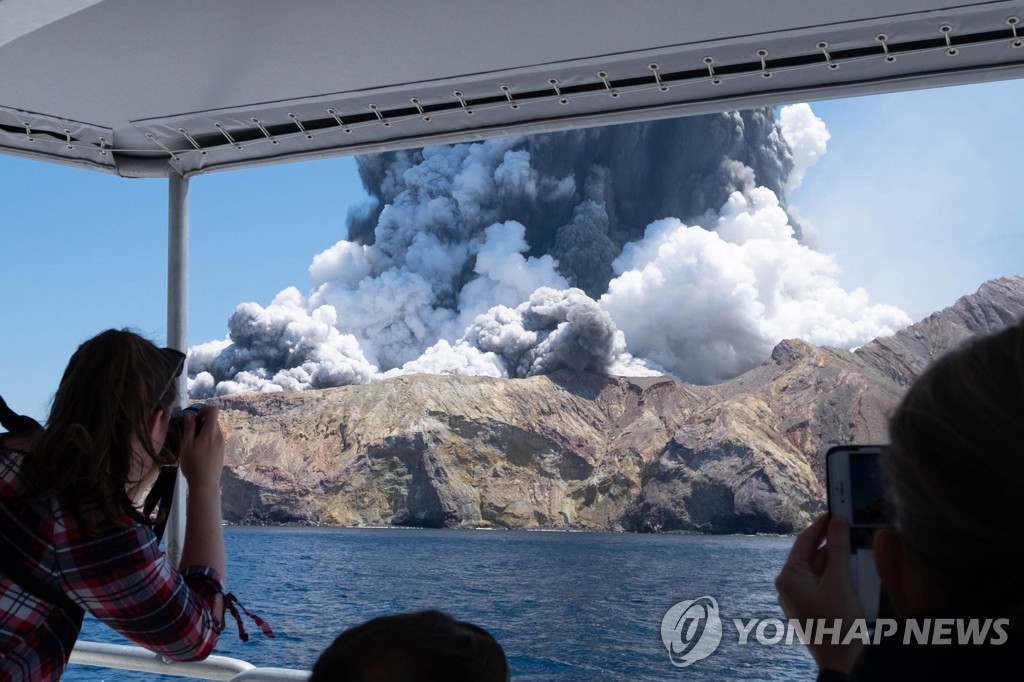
(564, 450)
(572, 450)
(751, 457)
(907, 353)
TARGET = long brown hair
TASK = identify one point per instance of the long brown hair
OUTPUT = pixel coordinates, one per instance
(100, 412)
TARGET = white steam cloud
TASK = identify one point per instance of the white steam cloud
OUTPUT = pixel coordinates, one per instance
(636, 250)
(707, 305)
(806, 136)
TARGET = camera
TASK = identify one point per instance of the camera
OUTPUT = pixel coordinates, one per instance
(857, 492)
(176, 429)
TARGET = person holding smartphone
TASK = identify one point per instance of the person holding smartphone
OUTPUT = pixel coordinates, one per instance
(73, 535)
(858, 493)
(955, 469)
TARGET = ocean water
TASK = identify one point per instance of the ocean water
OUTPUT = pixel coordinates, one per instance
(565, 606)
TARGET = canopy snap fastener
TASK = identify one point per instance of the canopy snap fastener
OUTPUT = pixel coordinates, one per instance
(512, 104)
(710, 61)
(380, 117)
(762, 54)
(266, 133)
(192, 140)
(1012, 22)
(657, 76)
(298, 124)
(612, 92)
(823, 46)
(337, 119)
(947, 31)
(67, 135)
(419, 107)
(884, 40)
(227, 135)
(28, 131)
(553, 82)
(462, 102)
(152, 138)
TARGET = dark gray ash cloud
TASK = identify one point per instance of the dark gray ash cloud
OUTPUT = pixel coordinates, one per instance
(583, 194)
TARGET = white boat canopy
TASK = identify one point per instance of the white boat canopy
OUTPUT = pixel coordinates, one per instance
(148, 88)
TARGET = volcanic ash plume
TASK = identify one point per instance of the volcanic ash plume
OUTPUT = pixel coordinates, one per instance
(633, 249)
(553, 329)
(305, 347)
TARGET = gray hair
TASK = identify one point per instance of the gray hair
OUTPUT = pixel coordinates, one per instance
(956, 469)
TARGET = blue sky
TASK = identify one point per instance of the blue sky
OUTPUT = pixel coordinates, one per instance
(919, 193)
(918, 197)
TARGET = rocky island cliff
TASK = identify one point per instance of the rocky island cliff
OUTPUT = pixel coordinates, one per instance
(579, 450)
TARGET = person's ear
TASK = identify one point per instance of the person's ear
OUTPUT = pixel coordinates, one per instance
(903, 577)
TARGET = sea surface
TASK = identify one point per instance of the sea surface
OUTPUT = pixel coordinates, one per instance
(565, 606)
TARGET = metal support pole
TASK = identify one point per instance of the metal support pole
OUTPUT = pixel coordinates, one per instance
(177, 334)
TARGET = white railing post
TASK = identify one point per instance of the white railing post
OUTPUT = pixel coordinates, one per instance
(177, 334)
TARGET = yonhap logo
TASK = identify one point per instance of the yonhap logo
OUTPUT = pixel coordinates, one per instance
(691, 630)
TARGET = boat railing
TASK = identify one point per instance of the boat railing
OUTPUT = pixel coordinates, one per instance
(126, 657)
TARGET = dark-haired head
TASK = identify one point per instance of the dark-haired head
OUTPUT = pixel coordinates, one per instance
(427, 646)
(116, 387)
(956, 469)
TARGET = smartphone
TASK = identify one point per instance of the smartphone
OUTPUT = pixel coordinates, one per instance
(857, 491)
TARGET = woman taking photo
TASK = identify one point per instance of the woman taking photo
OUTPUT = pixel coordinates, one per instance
(72, 532)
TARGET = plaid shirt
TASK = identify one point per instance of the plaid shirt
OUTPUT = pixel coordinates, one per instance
(119, 575)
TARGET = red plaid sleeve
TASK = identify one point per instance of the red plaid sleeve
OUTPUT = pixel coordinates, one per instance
(123, 579)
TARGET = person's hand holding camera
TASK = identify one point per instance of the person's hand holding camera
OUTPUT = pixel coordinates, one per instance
(201, 456)
(201, 461)
(815, 583)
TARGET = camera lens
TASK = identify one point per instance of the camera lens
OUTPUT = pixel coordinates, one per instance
(176, 428)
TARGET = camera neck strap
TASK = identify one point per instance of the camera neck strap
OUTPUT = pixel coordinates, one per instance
(159, 499)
